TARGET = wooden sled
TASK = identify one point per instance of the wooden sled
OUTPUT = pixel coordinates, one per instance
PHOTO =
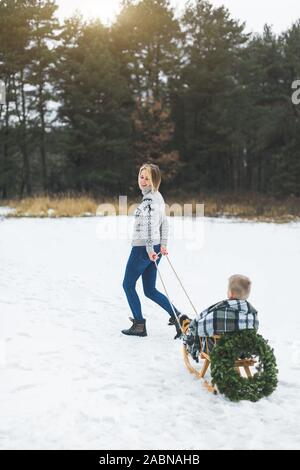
(204, 361)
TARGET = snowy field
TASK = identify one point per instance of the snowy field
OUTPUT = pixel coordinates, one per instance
(71, 380)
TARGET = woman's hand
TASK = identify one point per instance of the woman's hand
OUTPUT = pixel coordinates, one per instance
(163, 250)
(153, 256)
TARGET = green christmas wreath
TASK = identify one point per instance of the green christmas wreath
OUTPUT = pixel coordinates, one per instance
(243, 344)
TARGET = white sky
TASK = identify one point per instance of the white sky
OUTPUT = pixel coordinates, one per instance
(280, 14)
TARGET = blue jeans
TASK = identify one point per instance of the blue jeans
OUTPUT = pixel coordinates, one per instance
(139, 264)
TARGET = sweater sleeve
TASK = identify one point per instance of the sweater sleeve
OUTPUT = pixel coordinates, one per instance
(164, 231)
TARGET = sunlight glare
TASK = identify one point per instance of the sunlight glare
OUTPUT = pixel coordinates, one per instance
(106, 10)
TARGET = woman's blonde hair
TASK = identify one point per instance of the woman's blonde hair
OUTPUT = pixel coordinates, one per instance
(153, 173)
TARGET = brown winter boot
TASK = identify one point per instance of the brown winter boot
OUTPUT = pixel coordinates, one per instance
(138, 328)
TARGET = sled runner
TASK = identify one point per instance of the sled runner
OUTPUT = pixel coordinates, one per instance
(205, 361)
(242, 364)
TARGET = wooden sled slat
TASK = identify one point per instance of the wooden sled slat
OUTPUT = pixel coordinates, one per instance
(240, 363)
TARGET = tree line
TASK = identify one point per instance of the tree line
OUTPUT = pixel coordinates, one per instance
(86, 104)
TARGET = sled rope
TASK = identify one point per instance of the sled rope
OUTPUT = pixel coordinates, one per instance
(165, 289)
(181, 285)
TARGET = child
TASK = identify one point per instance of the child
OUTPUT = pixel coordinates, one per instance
(227, 316)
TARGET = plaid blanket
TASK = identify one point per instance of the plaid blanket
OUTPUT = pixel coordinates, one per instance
(227, 316)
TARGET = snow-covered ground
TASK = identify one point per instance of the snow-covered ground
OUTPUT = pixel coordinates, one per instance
(71, 380)
(5, 210)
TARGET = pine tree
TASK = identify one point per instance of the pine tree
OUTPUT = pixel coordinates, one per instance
(44, 29)
(146, 37)
(14, 26)
(95, 109)
(261, 118)
(154, 132)
(212, 44)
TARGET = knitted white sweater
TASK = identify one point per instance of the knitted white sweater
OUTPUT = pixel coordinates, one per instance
(151, 225)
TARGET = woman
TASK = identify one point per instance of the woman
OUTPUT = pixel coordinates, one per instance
(149, 238)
